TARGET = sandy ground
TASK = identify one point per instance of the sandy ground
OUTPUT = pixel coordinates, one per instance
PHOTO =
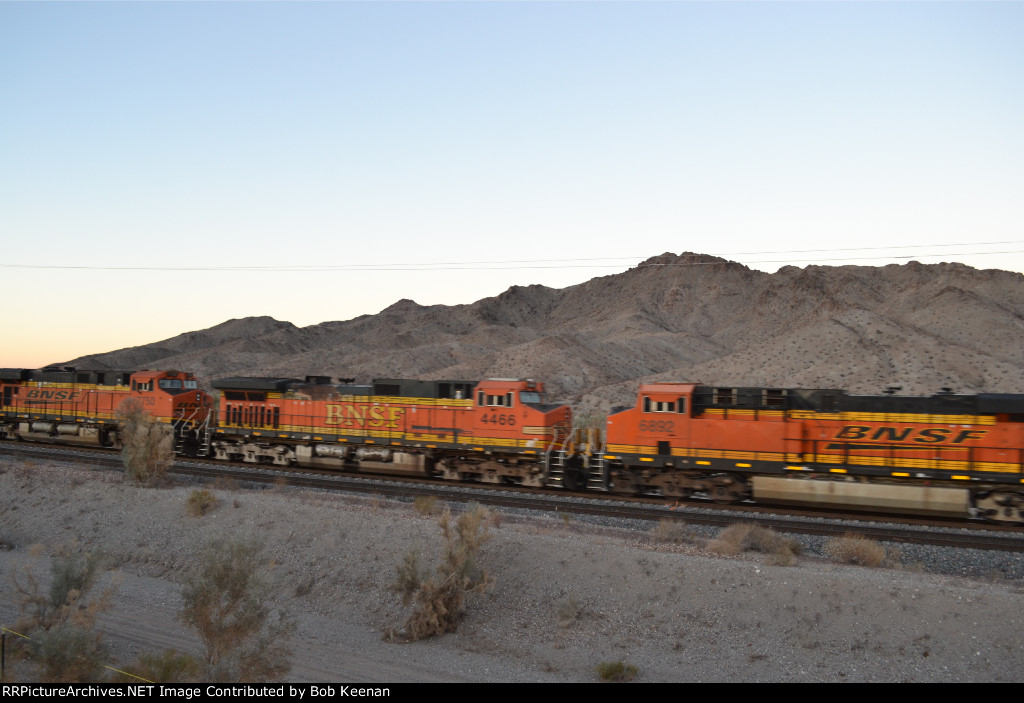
(566, 596)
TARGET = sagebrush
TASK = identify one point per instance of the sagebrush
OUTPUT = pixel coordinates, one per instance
(425, 505)
(226, 601)
(673, 531)
(439, 595)
(147, 446)
(616, 672)
(62, 645)
(855, 549)
(200, 502)
(781, 550)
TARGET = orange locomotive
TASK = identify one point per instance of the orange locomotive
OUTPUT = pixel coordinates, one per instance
(495, 431)
(943, 454)
(960, 455)
(62, 404)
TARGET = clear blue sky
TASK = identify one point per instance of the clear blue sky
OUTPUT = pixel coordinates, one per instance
(419, 149)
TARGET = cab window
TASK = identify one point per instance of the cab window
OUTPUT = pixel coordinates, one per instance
(664, 406)
(491, 400)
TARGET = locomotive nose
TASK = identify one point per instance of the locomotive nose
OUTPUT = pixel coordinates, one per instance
(194, 407)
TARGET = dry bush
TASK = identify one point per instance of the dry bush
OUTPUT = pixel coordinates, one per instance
(147, 445)
(570, 611)
(200, 502)
(439, 597)
(781, 551)
(616, 672)
(425, 505)
(227, 483)
(171, 666)
(855, 549)
(226, 602)
(67, 653)
(673, 531)
(62, 645)
(589, 420)
(280, 484)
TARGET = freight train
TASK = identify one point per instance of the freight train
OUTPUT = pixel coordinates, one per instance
(946, 454)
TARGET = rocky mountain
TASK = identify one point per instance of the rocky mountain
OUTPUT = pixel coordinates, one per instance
(687, 317)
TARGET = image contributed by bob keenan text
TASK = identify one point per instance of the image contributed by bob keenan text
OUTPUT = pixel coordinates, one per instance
(195, 691)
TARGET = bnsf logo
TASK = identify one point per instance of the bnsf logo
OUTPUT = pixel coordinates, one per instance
(348, 415)
(909, 434)
(54, 394)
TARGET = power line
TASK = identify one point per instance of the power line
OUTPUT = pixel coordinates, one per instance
(564, 263)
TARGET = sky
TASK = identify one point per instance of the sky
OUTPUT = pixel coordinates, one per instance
(168, 166)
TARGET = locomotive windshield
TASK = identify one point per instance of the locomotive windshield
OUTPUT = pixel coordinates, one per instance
(175, 385)
(529, 397)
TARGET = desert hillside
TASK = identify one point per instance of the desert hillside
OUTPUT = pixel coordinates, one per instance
(687, 317)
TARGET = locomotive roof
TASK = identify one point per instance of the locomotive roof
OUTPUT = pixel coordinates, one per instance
(254, 383)
(838, 400)
(67, 374)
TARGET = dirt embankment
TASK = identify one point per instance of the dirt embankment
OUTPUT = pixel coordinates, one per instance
(566, 596)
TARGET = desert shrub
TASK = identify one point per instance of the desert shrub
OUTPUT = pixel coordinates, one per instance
(281, 484)
(226, 602)
(855, 549)
(67, 653)
(425, 505)
(61, 644)
(781, 550)
(170, 666)
(570, 611)
(73, 575)
(616, 672)
(227, 483)
(147, 445)
(200, 502)
(409, 575)
(672, 531)
(589, 420)
(439, 596)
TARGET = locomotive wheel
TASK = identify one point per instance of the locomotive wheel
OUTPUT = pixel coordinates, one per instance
(723, 495)
(728, 490)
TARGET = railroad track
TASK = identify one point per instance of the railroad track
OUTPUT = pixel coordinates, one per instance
(783, 519)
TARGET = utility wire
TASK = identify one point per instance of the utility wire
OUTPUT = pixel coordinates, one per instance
(565, 263)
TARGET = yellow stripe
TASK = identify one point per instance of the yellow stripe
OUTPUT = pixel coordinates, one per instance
(929, 464)
(79, 386)
(907, 463)
(910, 418)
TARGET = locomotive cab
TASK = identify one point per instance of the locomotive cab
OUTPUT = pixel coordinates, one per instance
(659, 421)
(512, 410)
(174, 397)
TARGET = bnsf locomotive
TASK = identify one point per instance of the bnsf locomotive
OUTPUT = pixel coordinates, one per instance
(494, 431)
(946, 454)
(80, 407)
